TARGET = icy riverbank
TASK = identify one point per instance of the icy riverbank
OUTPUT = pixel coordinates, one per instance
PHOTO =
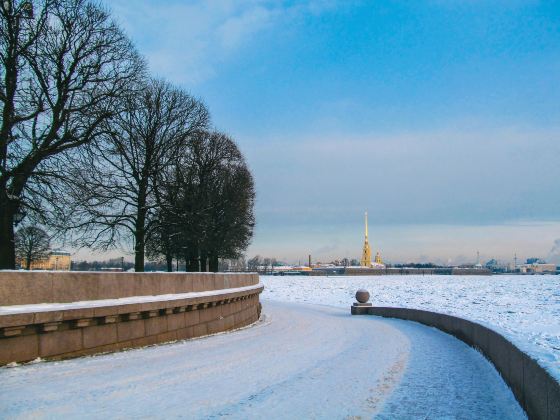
(526, 309)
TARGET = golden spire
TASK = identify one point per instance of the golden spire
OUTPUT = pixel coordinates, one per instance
(366, 253)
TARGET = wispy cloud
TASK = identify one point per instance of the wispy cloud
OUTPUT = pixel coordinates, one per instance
(187, 41)
(464, 173)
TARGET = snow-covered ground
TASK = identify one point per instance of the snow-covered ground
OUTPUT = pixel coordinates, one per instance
(302, 361)
(525, 309)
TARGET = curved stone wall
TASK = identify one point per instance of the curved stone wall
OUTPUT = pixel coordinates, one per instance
(27, 287)
(100, 312)
(534, 388)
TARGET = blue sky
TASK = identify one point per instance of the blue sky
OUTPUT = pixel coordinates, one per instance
(440, 118)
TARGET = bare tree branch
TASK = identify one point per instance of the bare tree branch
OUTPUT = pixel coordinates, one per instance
(63, 73)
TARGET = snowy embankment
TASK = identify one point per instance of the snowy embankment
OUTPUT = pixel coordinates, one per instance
(525, 309)
(300, 361)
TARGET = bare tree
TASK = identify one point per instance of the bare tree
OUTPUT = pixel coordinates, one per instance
(162, 241)
(179, 229)
(65, 64)
(207, 203)
(114, 186)
(255, 263)
(32, 244)
(231, 221)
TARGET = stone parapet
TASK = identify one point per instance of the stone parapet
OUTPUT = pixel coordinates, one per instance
(534, 388)
(27, 287)
(61, 330)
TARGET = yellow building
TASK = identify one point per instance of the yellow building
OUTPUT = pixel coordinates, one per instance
(366, 254)
(538, 268)
(57, 260)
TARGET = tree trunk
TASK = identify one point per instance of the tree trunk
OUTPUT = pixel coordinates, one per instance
(139, 238)
(140, 233)
(214, 265)
(7, 210)
(203, 262)
(139, 252)
(169, 260)
(191, 263)
(7, 245)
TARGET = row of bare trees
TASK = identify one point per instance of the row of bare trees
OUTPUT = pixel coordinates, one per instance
(205, 203)
(102, 154)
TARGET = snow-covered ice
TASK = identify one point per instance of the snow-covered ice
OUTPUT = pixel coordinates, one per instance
(302, 361)
(525, 309)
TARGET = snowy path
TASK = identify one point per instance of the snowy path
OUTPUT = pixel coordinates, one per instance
(303, 361)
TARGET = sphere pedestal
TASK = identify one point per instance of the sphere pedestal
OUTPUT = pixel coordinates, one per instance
(360, 307)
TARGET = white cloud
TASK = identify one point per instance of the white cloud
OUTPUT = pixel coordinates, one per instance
(464, 173)
(187, 41)
(234, 30)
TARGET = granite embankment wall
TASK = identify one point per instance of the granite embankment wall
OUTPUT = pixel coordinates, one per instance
(57, 315)
(535, 389)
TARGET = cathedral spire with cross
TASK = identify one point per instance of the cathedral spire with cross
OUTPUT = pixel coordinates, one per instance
(366, 253)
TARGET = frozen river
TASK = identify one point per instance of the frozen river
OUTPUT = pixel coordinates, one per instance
(526, 309)
(301, 361)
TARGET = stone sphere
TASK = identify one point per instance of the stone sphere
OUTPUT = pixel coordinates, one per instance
(362, 295)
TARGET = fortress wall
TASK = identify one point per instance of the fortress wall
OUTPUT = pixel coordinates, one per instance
(416, 271)
(534, 388)
(55, 331)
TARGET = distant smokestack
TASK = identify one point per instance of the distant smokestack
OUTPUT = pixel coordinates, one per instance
(309, 260)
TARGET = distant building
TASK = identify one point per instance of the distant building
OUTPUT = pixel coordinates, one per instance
(491, 264)
(57, 260)
(535, 261)
(537, 267)
(496, 267)
(366, 253)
